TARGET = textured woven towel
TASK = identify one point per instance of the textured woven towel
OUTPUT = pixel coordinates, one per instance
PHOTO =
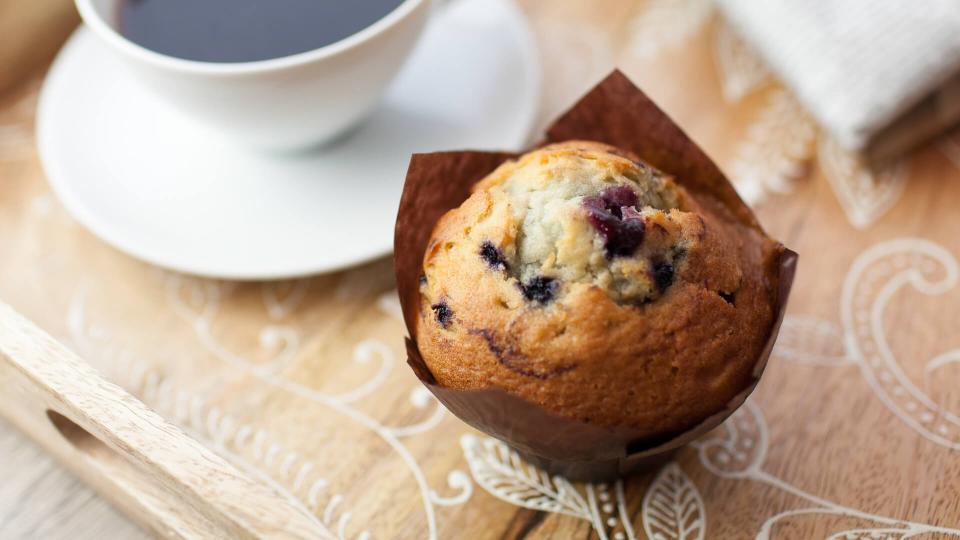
(857, 65)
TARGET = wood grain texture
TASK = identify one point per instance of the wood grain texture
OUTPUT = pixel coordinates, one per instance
(40, 499)
(854, 430)
(151, 468)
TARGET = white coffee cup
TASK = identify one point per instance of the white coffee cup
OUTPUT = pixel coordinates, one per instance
(282, 103)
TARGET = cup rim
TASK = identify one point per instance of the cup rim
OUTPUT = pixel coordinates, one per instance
(92, 18)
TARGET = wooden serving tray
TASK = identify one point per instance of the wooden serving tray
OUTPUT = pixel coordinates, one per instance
(285, 408)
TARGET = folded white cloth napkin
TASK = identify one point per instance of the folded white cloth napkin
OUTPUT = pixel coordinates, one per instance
(857, 65)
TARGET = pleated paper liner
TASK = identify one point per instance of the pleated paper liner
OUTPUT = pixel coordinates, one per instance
(615, 112)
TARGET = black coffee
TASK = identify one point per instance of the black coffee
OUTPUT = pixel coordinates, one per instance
(245, 30)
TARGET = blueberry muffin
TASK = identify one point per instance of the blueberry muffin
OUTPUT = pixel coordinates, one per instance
(583, 280)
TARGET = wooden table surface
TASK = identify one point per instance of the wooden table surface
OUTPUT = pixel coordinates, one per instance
(39, 499)
(853, 433)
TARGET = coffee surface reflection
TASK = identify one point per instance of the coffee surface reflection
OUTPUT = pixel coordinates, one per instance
(245, 30)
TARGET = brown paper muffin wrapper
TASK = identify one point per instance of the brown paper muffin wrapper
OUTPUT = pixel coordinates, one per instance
(615, 112)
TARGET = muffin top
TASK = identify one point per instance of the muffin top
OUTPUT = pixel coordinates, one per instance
(585, 281)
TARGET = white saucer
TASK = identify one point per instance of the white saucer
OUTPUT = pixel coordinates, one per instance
(156, 185)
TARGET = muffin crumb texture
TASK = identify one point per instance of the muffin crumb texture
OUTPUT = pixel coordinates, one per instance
(586, 281)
